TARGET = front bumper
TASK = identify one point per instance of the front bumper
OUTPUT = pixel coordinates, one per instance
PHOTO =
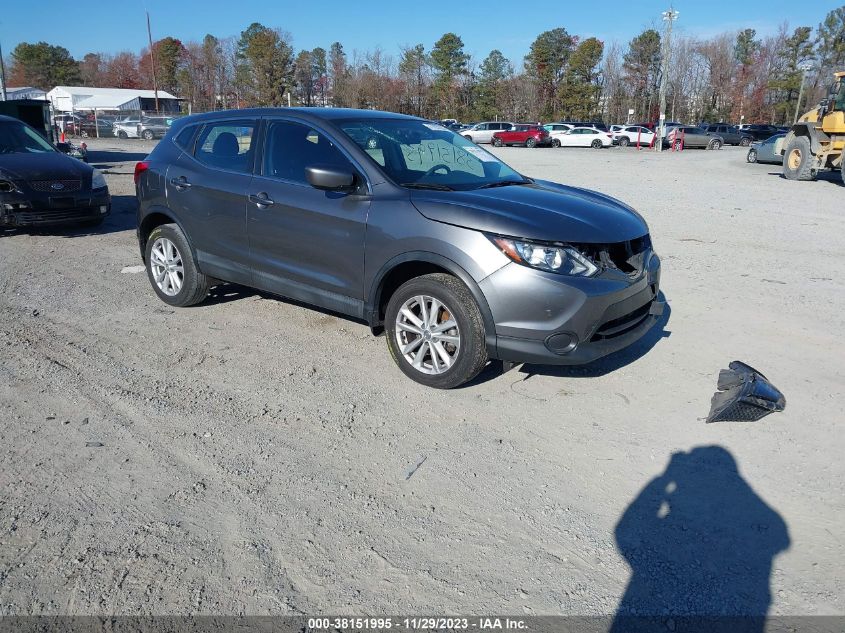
(546, 319)
(20, 210)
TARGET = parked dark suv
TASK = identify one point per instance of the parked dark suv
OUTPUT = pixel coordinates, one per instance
(400, 222)
(732, 134)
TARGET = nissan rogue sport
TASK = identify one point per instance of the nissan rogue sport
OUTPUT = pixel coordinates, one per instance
(402, 223)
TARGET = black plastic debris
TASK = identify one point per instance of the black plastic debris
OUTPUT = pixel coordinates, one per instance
(745, 395)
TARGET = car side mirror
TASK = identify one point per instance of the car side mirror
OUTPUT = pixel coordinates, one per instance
(330, 177)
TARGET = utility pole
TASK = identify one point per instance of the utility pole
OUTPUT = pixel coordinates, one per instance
(152, 59)
(668, 16)
(2, 75)
(804, 68)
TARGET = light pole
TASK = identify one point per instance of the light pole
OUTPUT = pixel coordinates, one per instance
(668, 16)
(804, 68)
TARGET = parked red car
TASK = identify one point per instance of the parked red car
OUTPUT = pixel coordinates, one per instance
(525, 134)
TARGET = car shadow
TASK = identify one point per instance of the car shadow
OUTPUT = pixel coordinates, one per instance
(600, 367)
(123, 217)
(109, 160)
(700, 544)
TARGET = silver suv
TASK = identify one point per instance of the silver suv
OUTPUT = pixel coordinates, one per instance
(483, 132)
(402, 223)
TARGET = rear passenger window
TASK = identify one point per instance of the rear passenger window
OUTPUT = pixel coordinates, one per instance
(185, 137)
(291, 147)
(227, 145)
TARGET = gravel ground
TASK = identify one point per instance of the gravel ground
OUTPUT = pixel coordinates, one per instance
(252, 456)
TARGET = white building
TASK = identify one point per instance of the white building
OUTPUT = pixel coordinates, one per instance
(72, 98)
(27, 92)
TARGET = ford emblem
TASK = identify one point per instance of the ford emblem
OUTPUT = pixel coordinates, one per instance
(57, 186)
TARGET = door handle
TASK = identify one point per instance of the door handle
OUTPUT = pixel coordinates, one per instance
(261, 200)
(180, 183)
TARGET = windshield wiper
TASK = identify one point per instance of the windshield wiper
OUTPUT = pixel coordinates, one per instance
(505, 183)
(426, 185)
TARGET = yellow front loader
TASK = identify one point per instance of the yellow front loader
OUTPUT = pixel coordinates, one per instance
(817, 140)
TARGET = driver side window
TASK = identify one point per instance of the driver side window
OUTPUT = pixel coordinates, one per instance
(291, 147)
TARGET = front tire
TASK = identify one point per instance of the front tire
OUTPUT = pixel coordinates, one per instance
(122, 135)
(148, 135)
(752, 156)
(555, 142)
(435, 332)
(171, 268)
(624, 141)
(497, 142)
(469, 138)
(714, 144)
(798, 160)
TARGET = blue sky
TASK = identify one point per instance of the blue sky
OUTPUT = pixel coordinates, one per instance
(362, 24)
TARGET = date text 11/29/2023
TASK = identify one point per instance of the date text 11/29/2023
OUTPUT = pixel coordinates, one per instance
(415, 623)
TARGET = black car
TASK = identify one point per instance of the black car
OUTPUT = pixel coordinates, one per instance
(732, 134)
(761, 132)
(39, 185)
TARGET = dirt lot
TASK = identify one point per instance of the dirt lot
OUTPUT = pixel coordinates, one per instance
(253, 456)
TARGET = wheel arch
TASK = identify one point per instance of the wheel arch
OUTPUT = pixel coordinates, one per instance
(413, 264)
(155, 217)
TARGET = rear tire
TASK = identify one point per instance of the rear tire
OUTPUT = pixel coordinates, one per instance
(597, 144)
(194, 285)
(458, 305)
(798, 160)
(745, 142)
(497, 142)
(714, 144)
(531, 142)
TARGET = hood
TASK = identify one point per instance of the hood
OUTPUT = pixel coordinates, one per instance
(539, 211)
(42, 166)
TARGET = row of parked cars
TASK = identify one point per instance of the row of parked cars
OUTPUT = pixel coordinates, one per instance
(133, 126)
(598, 135)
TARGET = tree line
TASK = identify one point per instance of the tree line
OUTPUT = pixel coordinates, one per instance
(729, 77)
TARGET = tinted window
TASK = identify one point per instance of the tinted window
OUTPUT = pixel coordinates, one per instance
(17, 138)
(227, 145)
(291, 147)
(185, 138)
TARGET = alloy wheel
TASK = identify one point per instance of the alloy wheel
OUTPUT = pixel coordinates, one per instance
(427, 334)
(167, 267)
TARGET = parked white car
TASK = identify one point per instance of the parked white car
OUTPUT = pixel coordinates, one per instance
(557, 127)
(631, 134)
(127, 128)
(483, 132)
(581, 137)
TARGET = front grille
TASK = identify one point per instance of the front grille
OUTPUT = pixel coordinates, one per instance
(47, 216)
(623, 324)
(627, 257)
(57, 186)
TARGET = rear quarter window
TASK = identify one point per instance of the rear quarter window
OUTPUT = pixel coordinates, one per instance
(185, 138)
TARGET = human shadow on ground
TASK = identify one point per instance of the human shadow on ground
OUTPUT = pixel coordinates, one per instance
(700, 543)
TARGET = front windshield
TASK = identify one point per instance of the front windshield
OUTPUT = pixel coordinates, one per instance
(17, 138)
(420, 155)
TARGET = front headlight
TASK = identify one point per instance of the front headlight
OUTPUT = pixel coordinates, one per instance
(98, 180)
(565, 260)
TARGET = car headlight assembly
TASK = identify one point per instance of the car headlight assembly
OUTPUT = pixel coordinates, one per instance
(553, 258)
(98, 180)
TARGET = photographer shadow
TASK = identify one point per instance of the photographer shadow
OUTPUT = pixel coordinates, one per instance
(700, 543)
